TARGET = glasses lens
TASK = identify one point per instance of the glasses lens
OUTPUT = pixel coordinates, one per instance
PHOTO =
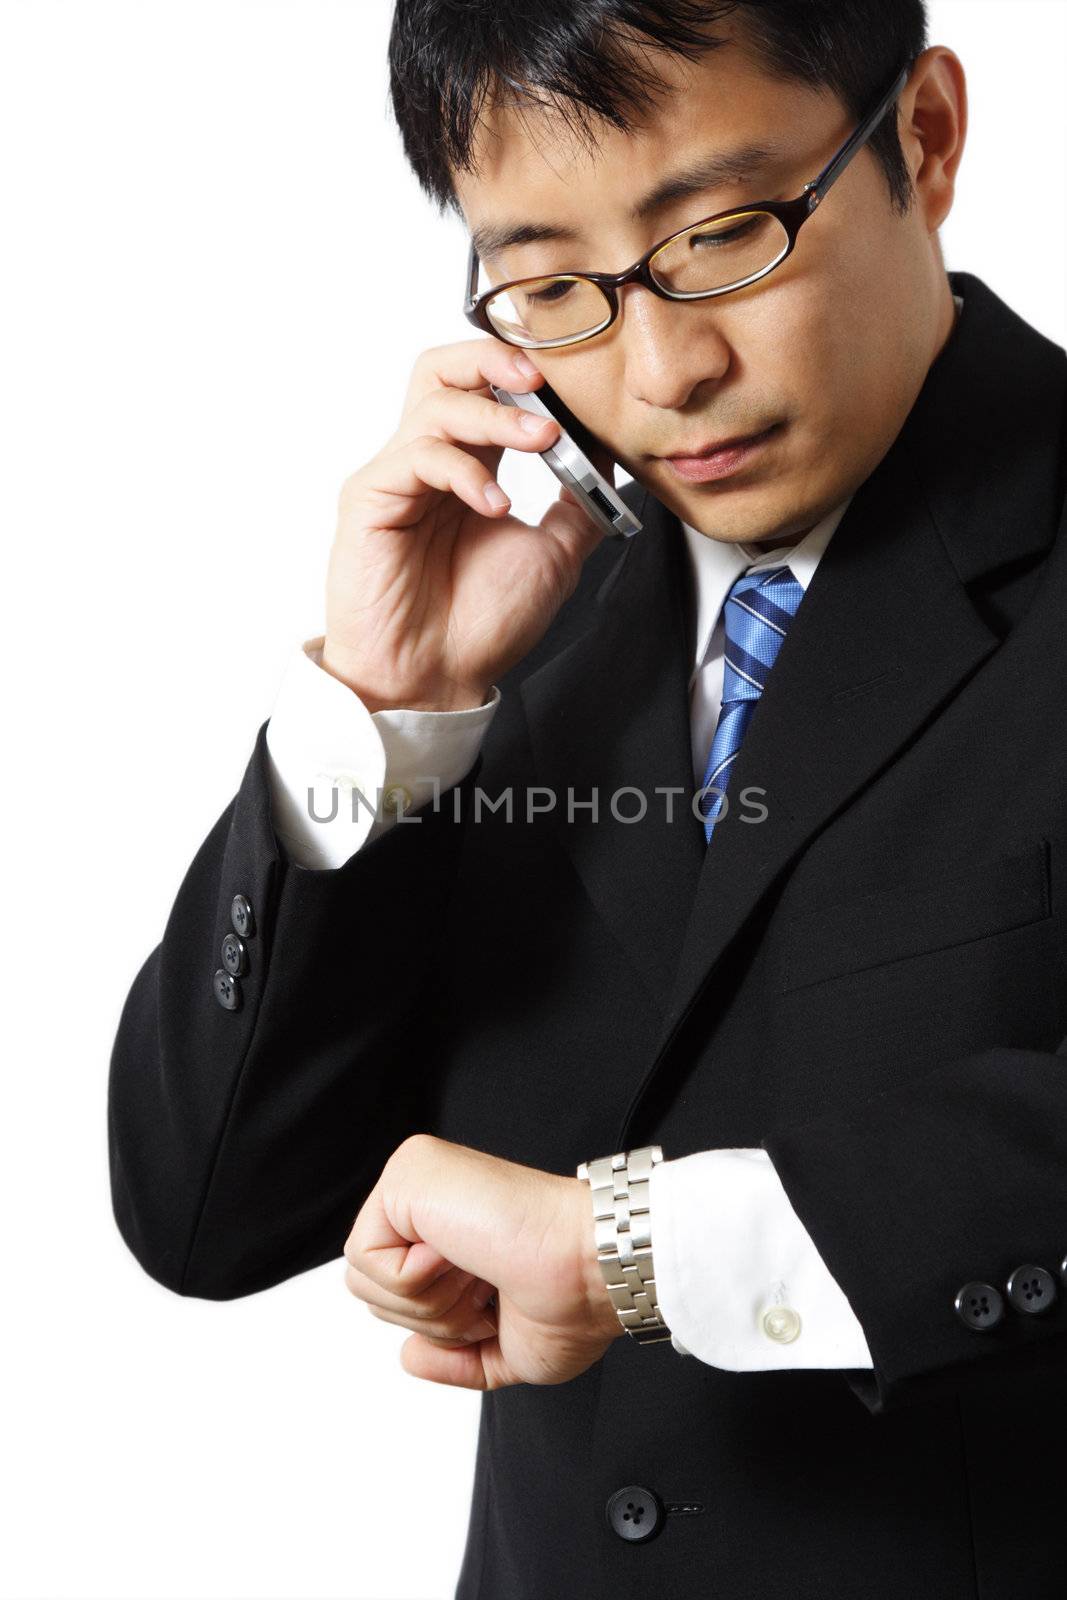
(548, 310)
(716, 255)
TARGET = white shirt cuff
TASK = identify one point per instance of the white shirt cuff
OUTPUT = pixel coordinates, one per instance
(355, 763)
(738, 1278)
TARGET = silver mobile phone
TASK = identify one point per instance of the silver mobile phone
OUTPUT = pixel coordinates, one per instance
(571, 465)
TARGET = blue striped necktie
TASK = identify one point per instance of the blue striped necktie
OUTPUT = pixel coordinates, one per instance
(758, 610)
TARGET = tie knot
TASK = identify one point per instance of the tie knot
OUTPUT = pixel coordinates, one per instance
(758, 610)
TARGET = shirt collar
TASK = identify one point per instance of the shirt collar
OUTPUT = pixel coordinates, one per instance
(715, 564)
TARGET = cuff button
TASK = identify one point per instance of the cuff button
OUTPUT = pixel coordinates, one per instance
(979, 1306)
(781, 1324)
(396, 799)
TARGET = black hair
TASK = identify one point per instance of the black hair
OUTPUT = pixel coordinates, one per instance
(578, 57)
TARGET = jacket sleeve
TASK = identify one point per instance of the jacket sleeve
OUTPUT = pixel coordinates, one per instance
(955, 1178)
(244, 1141)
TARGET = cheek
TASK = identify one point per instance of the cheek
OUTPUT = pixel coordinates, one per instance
(871, 341)
(586, 378)
(850, 374)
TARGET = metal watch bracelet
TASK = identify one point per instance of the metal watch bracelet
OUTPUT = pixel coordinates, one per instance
(622, 1231)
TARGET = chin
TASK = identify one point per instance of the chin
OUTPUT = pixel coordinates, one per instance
(765, 516)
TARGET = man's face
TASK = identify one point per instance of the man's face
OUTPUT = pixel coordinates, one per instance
(828, 352)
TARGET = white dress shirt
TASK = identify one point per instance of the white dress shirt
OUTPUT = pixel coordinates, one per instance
(738, 1278)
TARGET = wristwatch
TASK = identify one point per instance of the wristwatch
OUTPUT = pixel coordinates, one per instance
(622, 1231)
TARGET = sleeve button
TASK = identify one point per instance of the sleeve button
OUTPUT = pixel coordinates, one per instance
(227, 990)
(1031, 1290)
(242, 917)
(235, 956)
(979, 1306)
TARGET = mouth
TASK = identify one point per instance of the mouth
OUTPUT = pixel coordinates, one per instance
(721, 457)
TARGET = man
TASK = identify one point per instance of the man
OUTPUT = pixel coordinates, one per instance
(747, 843)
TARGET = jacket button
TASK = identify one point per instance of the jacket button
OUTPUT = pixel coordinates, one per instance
(980, 1306)
(635, 1514)
(227, 990)
(1031, 1289)
(234, 955)
(242, 917)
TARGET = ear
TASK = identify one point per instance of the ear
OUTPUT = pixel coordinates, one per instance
(933, 130)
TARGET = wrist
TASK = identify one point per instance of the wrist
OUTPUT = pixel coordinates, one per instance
(621, 1191)
(391, 694)
(602, 1314)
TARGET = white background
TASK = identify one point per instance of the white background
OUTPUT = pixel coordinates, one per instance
(192, 358)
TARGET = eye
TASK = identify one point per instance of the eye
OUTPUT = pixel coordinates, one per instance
(554, 292)
(727, 236)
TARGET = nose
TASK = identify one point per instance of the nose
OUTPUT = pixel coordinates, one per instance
(670, 346)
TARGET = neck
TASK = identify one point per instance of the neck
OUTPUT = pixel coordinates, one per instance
(783, 538)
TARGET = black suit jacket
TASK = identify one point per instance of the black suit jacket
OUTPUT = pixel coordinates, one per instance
(871, 983)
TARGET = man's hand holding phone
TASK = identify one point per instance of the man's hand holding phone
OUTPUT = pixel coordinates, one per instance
(434, 590)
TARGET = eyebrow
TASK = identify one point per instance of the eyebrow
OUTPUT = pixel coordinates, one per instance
(709, 172)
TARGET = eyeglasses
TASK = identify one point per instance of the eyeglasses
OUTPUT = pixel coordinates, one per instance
(715, 256)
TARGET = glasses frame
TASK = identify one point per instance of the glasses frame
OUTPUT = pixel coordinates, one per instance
(792, 214)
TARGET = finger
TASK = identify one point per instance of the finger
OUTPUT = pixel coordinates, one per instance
(436, 1300)
(478, 420)
(428, 463)
(440, 1333)
(471, 364)
(448, 1344)
(475, 1366)
(449, 1330)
